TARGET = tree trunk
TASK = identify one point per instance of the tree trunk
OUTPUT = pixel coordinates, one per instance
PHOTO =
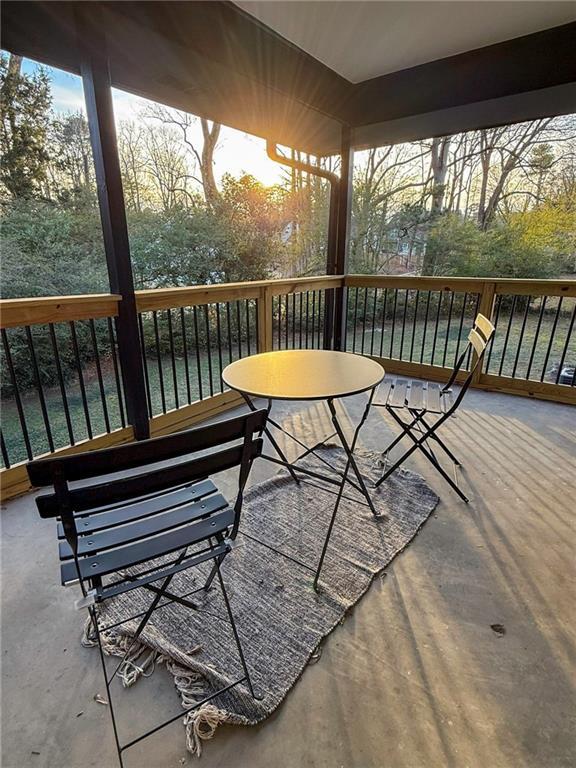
(439, 160)
(211, 135)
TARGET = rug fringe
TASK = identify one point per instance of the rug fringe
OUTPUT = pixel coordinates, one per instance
(140, 662)
(201, 725)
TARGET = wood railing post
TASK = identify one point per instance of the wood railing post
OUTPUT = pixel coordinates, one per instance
(486, 308)
(265, 319)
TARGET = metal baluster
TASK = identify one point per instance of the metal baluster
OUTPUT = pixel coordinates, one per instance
(300, 326)
(320, 316)
(440, 299)
(197, 350)
(307, 315)
(496, 318)
(279, 322)
(552, 334)
(17, 398)
(448, 329)
(208, 348)
(239, 328)
(403, 323)
(159, 361)
(373, 322)
(119, 390)
(565, 350)
(460, 326)
(145, 363)
(425, 329)
(364, 318)
(219, 338)
(185, 353)
(39, 387)
(99, 375)
(287, 324)
(173, 357)
(355, 318)
(536, 335)
(510, 319)
(314, 319)
(414, 325)
(229, 329)
(383, 321)
(293, 320)
(393, 322)
(247, 301)
(5, 456)
(61, 382)
(521, 339)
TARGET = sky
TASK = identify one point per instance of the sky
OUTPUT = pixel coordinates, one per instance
(236, 152)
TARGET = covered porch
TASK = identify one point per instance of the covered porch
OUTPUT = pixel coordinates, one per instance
(420, 673)
(463, 653)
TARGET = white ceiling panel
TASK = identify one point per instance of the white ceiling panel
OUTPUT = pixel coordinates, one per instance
(361, 40)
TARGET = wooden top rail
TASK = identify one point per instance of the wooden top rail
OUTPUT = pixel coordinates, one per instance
(40, 310)
(54, 309)
(190, 296)
(508, 286)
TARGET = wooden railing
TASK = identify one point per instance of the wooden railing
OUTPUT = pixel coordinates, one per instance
(63, 380)
(416, 326)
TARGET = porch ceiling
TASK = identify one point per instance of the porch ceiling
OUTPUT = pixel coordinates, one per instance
(360, 40)
(216, 60)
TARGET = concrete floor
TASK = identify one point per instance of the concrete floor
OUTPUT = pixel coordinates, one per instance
(415, 677)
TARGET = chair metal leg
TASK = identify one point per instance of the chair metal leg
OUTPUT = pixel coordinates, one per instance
(212, 574)
(440, 442)
(419, 443)
(94, 618)
(146, 617)
(272, 439)
(235, 632)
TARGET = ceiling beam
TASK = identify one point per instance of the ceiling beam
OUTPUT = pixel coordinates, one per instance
(530, 63)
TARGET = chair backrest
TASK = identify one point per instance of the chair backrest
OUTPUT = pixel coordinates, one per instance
(60, 470)
(478, 339)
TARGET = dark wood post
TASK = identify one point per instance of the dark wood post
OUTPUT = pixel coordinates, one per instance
(331, 263)
(344, 204)
(99, 108)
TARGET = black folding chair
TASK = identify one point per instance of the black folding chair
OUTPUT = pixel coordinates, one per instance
(172, 512)
(422, 400)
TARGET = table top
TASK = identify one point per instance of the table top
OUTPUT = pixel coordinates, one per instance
(303, 374)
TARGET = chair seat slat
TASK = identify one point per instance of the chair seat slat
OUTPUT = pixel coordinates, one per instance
(398, 394)
(132, 554)
(383, 392)
(140, 508)
(416, 396)
(433, 398)
(447, 400)
(149, 526)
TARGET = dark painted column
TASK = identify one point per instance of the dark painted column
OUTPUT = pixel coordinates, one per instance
(331, 264)
(98, 95)
(344, 206)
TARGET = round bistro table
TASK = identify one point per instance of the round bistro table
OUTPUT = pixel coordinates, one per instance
(310, 374)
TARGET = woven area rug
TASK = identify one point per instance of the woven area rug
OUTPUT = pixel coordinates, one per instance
(281, 619)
